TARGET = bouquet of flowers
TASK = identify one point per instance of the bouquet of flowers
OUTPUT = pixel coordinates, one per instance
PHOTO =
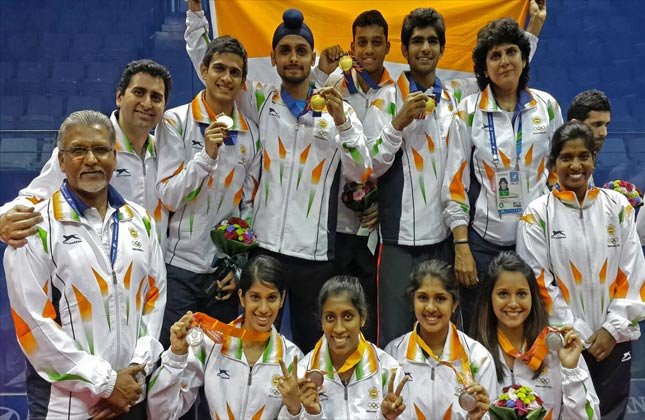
(359, 196)
(234, 237)
(627, 189)
(517, 402)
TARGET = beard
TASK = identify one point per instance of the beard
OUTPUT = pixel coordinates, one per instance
(293, 80)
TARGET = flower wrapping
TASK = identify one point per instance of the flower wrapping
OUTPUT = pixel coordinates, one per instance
(359, 196)
(234, 236)
(517, 402)
(629, 190)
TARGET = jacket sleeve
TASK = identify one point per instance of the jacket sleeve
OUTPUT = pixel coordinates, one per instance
(532, 246)
(383, 140)
(197, 38)
(174, 386)
(252, 180)
(454, 191)
(579, 398)
(354, 157)
(148, 348)
(178, 180)
(483, 368)
(52, 352)
(627, 308)
(40, 188)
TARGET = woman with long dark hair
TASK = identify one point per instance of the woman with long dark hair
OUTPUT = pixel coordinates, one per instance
(513, 323)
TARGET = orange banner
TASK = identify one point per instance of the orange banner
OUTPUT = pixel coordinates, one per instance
(254, 21)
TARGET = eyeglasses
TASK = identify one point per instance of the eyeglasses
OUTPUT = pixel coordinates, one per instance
(100, 152)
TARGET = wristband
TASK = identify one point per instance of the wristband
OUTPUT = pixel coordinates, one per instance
(344, 126)
(460, 241)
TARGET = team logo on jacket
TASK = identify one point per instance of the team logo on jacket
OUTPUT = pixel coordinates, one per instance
(612, 239)
(121, 172)
(71, 239)
(322, 130)
(197, 144)
(373, 393)
(273, 113)
(323, 123)
(538, 126)
(223, 374)
(133, 232)
(558, 234)
(243, 155)
(274, 380)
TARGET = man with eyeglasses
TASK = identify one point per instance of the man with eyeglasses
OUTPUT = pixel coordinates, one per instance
(141, 97)
(87, 293)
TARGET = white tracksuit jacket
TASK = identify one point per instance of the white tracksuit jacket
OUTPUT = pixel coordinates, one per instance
(567, 393)
(362, 396)
(79, 318)
(410, 166)
(233, 388)
(540, 116)
(133, 178)
(588, 261)
(295, 209)
(433, 391)
(201, 191)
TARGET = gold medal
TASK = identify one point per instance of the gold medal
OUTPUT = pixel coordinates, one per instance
(345, 63)
(430, 105)
(317, 103)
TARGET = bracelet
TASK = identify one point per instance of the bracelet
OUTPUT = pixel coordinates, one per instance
(344, 126)
(460, 241)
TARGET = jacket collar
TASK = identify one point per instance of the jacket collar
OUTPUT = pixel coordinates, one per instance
(203, 114)
(569, 198)
(68, 207)
(487, 101)
(273, 352)
(123, 144)
(367, 364)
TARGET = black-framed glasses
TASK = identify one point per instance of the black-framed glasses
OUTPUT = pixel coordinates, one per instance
(100, 152)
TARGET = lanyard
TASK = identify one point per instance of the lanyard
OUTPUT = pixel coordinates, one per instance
(360, 71)
(493, 138)
(210, 325)
(436, 88)
(67, 195)
(297, 107)
(534, 356)
(465, 377)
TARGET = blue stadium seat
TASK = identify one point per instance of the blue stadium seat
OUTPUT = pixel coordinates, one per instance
(7, 70)
(29, 77)
(55, 46)
(66, 78)
(21, 46)
(78, 103)
(86, 47)
(47, 109)
(11, 109)
(17, 152)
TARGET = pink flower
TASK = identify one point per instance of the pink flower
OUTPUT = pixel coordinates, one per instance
(358, 195)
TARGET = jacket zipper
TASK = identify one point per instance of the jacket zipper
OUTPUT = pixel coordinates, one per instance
(286, 202)
(246, 392)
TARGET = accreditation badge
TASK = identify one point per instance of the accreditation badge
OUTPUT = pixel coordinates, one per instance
(508, 191)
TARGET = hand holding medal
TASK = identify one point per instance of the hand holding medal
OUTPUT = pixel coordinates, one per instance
(330, 98)
(180, 332)
(570, 346)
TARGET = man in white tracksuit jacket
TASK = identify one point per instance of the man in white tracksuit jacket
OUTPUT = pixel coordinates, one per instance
(87, 292)
(296, 205)
(141, 98)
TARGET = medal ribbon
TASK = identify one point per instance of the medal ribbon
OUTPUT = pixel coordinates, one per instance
(351, 361)
(534, 356)
(297, 107)
(464, 377)
(209, 325)
(360, 71)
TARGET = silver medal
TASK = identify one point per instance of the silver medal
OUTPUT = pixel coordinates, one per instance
(226, 120)
(467, 401)
(195, 336)
(554, 341)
